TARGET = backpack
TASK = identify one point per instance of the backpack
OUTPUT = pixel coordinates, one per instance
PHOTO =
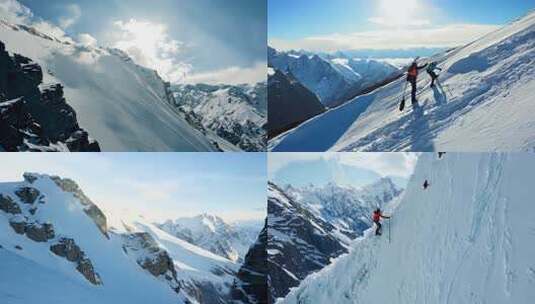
(431, 67)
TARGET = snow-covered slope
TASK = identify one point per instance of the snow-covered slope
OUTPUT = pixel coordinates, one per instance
(334, 80)
(347, 208)
(124, 106)
(51, 230)
(468, 238)
(237, 114)
(484, 104)
(213, 234)
(60, 237)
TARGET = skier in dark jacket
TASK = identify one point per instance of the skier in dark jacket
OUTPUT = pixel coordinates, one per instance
(431, 71)
(377, 215)
(412, 76)
(426, 184)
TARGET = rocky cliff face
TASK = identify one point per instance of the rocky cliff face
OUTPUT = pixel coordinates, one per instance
(252, 278)
(36, 116)
(145, 250)
(290, 103)
(299, 242)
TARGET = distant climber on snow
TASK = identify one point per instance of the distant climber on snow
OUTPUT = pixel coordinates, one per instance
(377, 215)
(426, 184)
(412, 76)
(431, 71)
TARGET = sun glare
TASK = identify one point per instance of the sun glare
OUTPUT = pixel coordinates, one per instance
(397, 12)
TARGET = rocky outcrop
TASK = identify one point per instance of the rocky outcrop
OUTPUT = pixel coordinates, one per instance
(8, 205)
(290, 103)
(35, 231)
(67, 248)
(28, 195)
(252, 284)
(147, 254)
(34, 119)
(90, 208)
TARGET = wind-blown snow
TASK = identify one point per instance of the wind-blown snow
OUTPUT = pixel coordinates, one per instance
(122, 105)
(484, 103)
(468, 238)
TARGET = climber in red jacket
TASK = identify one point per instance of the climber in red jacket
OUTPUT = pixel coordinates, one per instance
(377, 215)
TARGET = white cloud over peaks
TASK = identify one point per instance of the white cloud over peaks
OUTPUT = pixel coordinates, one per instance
(87, 40)
(150, 45)
(14, 12)
(231, 75)
(445, 36)
(383, 163)
(73, 14)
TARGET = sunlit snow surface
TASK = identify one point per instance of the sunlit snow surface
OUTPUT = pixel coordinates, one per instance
(485, 103)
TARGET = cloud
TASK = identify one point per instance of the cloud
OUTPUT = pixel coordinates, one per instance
(385, 164)
(13, 11)
(87, 40)
(446, 36)
(74, 13)
(231, 75)
(150, 45)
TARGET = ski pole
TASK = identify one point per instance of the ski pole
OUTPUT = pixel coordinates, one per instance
(389, 223)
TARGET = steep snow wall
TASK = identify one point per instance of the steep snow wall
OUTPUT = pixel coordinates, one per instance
(468, 238)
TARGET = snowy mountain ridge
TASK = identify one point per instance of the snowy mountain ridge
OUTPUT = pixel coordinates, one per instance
(124, 106)
(333, 80)
(346, 207)
(482, 103)
(213, 234)
(52, 230)
(238, 114)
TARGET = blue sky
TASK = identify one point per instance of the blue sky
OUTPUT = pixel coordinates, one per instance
(385, 24)
(211, 40)
(157, 185)
(352, 169)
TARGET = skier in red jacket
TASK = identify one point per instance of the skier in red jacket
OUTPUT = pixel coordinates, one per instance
(377, 215)
(412, 76)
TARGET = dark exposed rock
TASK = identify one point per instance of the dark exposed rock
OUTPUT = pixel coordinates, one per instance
(31, 119)
(252, 284)
(85, 267)
(290, 103)
(68, 185)
(8, 205)
(27, 194)
(29, 177)
(18, 247)
(159, 264)
(18, 225)
(68, 249)
(308, 243)
(151, 257)
(40, 232)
